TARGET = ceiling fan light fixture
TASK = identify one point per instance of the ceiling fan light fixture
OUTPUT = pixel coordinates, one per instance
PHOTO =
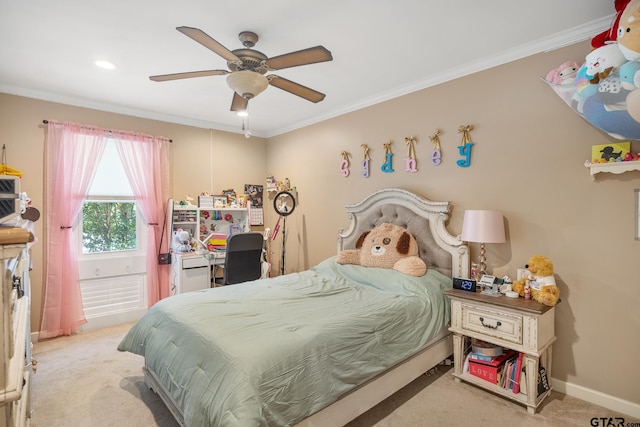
(242, 113)
(246, 83)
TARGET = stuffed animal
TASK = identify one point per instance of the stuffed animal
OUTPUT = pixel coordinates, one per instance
(611, 34)
(565, 74)
(386, 246)
(629, 44)
(601, 61)
(629, 31)
(541, 282)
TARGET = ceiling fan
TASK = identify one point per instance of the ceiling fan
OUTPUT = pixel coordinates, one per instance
(248, 68)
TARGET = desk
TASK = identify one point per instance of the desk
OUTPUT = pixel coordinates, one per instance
(191, 271)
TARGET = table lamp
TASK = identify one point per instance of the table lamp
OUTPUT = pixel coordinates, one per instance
(483, 226)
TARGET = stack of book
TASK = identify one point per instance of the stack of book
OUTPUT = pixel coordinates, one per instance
(205, 202)
(490, 368)
(217, 241)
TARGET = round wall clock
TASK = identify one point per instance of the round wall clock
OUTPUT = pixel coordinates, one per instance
(284, 203)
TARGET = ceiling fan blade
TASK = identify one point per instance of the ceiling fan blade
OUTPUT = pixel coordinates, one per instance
(301, 57)
(205, 40)
(177, 76)
(239, 103)
(296, 88)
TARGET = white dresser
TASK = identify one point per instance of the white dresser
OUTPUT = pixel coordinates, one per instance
(15, 346)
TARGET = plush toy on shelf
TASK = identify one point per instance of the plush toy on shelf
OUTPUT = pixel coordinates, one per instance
(540, 281)
(386, 246)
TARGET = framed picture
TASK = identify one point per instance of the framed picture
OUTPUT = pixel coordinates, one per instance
(637, 219)
(220, 201)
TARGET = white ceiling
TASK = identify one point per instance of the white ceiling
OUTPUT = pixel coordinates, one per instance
(381, 49)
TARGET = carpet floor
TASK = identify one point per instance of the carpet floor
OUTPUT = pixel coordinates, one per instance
(83, 380)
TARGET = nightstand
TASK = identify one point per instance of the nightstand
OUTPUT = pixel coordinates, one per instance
(525, 326)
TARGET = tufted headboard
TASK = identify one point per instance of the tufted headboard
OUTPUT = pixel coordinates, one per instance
(424, 219)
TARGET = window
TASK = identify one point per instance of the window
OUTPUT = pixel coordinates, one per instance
(111, 236)
(108, 226)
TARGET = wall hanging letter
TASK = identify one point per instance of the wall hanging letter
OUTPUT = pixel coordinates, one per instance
(386, 167)
(344, 165)
(410, 162)
(436, 154)
(465, 148)
(365, 161)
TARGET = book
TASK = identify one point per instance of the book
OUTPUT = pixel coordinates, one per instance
(495, 360)
(480, 356)
(490, 370)
(523, 381)
(543, 381)
(518, 373)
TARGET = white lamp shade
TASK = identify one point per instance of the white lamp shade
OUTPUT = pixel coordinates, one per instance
(247, 83)
(483, 226)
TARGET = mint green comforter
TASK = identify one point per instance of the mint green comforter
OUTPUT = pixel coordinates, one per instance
(272, 352)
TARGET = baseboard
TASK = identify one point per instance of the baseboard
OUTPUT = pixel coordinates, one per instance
(597, 398)
(99, 322)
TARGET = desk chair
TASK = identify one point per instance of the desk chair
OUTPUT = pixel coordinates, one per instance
(243, 261)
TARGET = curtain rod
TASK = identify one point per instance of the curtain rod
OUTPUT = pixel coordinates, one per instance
(45, 121)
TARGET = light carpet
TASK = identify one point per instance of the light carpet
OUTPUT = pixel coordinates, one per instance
(83, 380)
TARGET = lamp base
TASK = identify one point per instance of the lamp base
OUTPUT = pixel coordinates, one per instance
(482, 267)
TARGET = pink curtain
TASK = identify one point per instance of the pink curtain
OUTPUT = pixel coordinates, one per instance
(146, 163)
(71, 155)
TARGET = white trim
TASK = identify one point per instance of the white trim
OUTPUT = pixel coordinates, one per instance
(546, 44)
(613, 403)
(113, 319)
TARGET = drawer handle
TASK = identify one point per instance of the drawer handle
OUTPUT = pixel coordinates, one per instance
(490, 326)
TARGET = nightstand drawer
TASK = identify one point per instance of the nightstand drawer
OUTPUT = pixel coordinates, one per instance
(492, 322)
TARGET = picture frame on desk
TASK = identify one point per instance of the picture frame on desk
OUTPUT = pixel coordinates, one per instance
(219, 201)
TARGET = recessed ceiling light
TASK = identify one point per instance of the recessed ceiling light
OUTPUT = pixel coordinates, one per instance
(105, 64)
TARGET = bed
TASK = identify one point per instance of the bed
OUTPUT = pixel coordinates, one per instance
(315, 348)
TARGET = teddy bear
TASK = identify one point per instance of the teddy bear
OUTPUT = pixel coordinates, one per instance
(386, 246)
(611, 34)
(629, 31)
(629, 43)
(540, 281)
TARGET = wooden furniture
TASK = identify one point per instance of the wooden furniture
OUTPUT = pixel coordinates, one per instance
(15, 345)
(515, 323)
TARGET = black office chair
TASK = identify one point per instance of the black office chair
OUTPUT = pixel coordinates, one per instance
(243, 260)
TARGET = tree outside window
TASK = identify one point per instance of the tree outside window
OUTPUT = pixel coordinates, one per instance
(108, 226)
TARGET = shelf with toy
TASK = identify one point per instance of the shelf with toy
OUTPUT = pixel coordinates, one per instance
(612, 167)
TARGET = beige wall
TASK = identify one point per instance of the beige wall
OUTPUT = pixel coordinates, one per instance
(201, 160)
(527, 161)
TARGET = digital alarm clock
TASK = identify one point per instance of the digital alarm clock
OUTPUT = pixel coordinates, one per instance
(464, 284)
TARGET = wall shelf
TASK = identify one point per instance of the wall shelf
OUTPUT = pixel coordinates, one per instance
(613, 167)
